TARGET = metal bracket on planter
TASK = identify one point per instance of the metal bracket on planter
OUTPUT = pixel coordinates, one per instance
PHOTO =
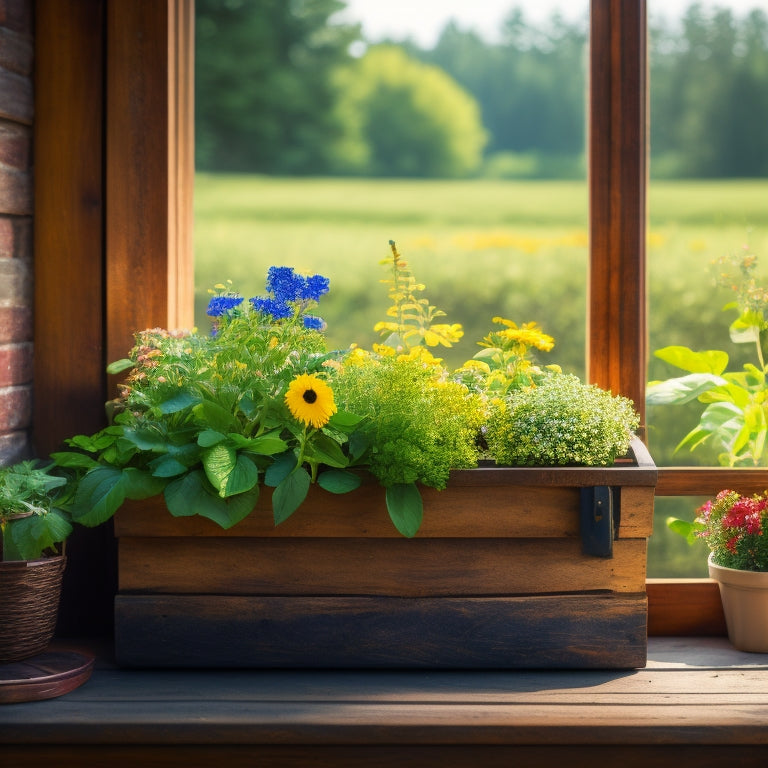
(597, 521)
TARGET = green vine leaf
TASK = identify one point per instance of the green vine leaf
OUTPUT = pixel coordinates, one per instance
(405, 508)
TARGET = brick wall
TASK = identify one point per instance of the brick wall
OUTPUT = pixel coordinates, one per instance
(16, 282)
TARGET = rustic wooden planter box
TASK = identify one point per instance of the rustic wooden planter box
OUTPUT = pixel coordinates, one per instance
(496, 578)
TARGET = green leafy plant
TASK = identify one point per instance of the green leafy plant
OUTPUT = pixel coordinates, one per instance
(734, 527)
(734, 421)
(560, 421)
(419, 425)
(209, 420)
(33, 520)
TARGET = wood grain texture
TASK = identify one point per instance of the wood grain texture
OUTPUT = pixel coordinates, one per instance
(696, 703)
(148, 173)
(685, 607)
(458, 512)
(69, 352)
(388, 756)
(376, 566)
(45, 676)
(709, 481)
(617, 345)
(582, 631)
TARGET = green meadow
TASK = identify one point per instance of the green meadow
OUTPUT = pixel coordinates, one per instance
(486, 248)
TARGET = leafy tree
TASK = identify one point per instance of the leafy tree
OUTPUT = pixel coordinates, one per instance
(264, 92)
(709, 95)
(530, 85)
(406, 118)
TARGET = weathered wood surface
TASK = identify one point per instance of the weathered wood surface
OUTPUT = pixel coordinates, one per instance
(574, 631)
(493, 511)
(685, 607)
(495, 578)
(697, 703)
(396, 567)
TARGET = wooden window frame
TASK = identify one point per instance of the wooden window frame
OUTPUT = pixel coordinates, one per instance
(113, 220)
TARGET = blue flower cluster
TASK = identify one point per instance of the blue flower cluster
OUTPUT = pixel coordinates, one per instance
(291, 294)
(221, 304)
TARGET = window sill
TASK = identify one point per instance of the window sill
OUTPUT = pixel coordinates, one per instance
(697, 699)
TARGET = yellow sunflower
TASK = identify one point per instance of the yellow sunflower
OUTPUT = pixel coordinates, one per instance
(310, 400)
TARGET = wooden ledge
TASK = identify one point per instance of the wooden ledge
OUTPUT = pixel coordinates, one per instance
(696, 700)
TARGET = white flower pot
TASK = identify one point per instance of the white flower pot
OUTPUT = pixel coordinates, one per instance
(745, 604)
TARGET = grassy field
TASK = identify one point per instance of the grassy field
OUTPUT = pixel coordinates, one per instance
(486, 248)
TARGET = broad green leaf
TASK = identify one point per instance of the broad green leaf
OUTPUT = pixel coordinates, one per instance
(729, 393)
(181, 495)
(279, 469)
(684, 528)
(289, 495)
(141, 485)
(193, 495)
(326, 450)
(264, 445)
(145, 440)
(358, 445)
(681, 390)
(243, 477)
(746, 329)
(97, 442)
(721, 421)
(32, 535)
(120, 365)
(218, 462)
(99, 495)
(215, 417)
(209, 437)
(344, 421)
(338, 481)
(710, 361)
(405, 508)
(167, 466)
(71, 459)
(179, 402)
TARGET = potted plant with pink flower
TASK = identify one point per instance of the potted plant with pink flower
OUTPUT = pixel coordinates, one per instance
(735, 528)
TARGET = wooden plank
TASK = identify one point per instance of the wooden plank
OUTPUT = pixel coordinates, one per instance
(709, 481)
(416, 567)
(685, 607)
(149, 181)
(69, 388)
(388, 756)
(617, 188)
(69, 378)
(461, 510)
(583, 631)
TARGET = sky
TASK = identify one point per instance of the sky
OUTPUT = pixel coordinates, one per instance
(424, 19)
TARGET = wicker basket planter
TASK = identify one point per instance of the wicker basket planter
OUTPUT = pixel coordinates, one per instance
(503, 573)
(29, 603)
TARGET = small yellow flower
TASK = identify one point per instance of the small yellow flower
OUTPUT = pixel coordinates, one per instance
(310, 400)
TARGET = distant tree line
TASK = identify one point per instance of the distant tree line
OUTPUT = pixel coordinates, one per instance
(282, 88)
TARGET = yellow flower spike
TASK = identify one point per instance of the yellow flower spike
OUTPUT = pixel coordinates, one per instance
(310, 400)
(384, 350)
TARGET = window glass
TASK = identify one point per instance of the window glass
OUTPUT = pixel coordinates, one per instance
(325, 129)
(708, 209)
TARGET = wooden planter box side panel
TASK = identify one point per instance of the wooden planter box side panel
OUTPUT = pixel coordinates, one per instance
(496, 577)
(420, 567)
(585, 631)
